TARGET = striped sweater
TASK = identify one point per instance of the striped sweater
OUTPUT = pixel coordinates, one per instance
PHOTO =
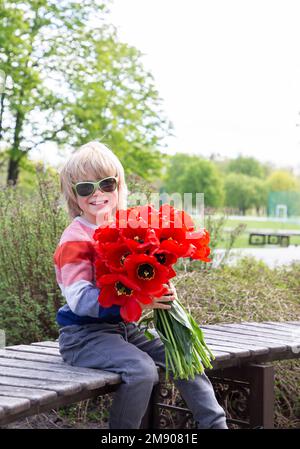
(75, 275)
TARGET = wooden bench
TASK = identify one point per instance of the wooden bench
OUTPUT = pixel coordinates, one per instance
(34, 379)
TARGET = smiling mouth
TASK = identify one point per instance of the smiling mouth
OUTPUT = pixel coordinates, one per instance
(96, 203)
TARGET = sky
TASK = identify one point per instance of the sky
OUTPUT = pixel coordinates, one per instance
(228, 72)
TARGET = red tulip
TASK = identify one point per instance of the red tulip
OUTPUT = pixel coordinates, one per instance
(146, 272)
(118, 289)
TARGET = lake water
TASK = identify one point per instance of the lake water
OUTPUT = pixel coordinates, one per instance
(272, 256)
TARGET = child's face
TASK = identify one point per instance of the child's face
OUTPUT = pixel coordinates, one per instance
(97, 207)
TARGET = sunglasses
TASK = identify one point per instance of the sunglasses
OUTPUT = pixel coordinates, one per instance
(87, 188)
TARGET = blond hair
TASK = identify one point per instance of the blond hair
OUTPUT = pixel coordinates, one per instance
(96, 159)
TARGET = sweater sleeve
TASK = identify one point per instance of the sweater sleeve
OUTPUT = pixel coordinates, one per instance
(73, 261)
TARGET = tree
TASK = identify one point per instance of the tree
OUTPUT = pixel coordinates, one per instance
(246, 165)
(260, 193)
(120, 104)
(282, 181)
(177, 165)
(70, 80)
(192, 174)
(244, 192)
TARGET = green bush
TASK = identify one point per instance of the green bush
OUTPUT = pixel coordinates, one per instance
(30, 228)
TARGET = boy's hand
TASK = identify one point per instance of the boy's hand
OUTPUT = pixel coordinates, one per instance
(160, 303)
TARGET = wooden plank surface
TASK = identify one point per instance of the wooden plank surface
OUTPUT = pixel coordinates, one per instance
(35, 350)
(86, 382)
(248, 340)
(283, 323)
(283, 326)
(36, 396)
(64, 368)
(284, 335)
(256, 329)
(247, 350)
(280, 327)
(14, 405)
(35, 357)
(233, 350)
(46, 344)
(245, 331)
(61, 388)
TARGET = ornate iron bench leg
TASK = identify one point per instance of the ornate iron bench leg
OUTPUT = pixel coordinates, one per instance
(251, 384)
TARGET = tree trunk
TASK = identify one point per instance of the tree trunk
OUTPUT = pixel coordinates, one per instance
(15, 154)
(1, 113)
(13, 171)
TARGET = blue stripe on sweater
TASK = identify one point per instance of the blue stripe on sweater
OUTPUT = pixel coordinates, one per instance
(65, 316)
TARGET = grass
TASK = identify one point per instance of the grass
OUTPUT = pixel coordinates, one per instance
(262, 224)
(242, 240)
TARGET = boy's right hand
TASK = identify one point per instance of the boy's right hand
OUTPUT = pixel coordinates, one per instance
(160, 303)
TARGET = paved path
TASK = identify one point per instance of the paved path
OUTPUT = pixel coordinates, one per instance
(271, 256)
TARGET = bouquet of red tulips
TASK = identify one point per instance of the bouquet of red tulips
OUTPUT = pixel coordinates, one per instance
(135, 257)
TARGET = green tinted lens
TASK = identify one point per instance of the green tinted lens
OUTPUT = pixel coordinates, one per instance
(108, 185)
(85, 189)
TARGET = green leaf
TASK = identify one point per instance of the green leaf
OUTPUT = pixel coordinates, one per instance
(179, 314)
(149, 335)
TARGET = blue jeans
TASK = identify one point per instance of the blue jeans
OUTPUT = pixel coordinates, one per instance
(124, 349)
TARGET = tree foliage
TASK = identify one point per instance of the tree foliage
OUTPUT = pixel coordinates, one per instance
(244, 192)
(70, 80)
(282, 181)
(192, 174)
(246, 165)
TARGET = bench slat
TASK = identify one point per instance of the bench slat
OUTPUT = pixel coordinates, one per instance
(14, 405)
(283, 326)
(283, 323)
(35, 349)
(278, 328)
(89, 383)
(234, 351)
(221, 355)
(282, 335)
(256, 330)
(246, 333)
(46, 344)
(248, 340)
(89, 373)
(37, 357)
(61, 388)
(36, 396)
(248, 349)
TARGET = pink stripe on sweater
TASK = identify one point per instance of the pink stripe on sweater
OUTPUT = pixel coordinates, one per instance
(82, 233)
(58, 275)
(73, 272)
